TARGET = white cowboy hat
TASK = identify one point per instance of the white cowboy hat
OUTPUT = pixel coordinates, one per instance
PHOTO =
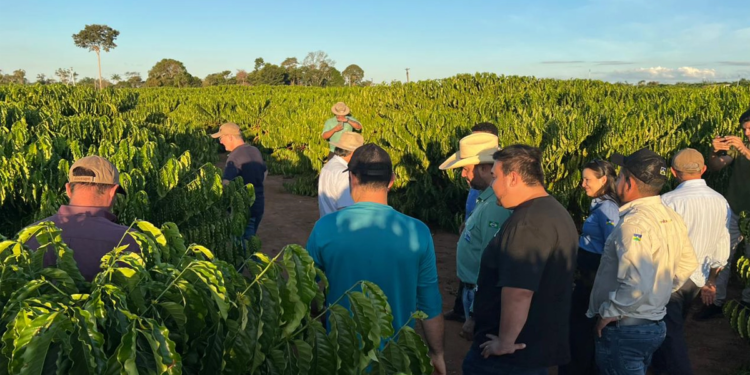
(473, 149)
(349, 141)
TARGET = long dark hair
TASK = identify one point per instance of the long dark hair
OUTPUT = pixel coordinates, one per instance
(603, 168)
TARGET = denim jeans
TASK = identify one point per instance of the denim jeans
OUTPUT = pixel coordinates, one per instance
(628, 350)
(475, 364)
(467, 297)
(252, 226)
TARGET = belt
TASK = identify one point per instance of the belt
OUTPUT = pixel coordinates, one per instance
(628, 321)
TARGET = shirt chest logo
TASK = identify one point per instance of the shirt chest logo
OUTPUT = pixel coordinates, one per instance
(637, 237)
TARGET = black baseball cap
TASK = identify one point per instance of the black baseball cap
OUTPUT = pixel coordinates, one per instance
(644, 164)
(370, 160)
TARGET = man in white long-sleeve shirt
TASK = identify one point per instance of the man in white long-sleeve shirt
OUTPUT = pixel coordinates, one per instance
(707, 216)
(646, 258)
(333, 184)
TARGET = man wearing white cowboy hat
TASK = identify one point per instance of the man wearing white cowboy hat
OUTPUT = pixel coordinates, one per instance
(337, 125)
(475, 158)
(333, 184)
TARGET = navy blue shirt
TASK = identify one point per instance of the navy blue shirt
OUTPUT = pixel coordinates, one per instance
(601, 222)
(246, 161)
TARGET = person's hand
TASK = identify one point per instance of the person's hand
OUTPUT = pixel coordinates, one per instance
(720, 144)
(339, 127)
(601, 323)
(736, 142)
(708, 294)
(496, 346)
(438, 362)
(341, 119)
(467, 330)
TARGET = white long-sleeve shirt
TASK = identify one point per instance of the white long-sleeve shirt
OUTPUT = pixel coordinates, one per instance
(707, 215)
(333, 187)
(646, 258)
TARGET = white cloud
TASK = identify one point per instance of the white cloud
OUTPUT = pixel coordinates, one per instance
(685, 73)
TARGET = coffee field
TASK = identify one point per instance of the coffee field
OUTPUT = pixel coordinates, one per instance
(182, 308)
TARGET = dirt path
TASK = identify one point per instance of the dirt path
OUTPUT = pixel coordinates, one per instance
(289, 219)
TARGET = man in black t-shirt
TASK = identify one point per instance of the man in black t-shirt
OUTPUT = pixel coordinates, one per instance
(525, 280)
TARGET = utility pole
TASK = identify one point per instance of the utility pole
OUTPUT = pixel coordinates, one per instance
(72, 76)
(407, 75)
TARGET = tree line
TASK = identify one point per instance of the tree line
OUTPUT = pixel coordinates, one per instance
(316, 69)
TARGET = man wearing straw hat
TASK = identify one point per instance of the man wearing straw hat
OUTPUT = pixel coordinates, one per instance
(342, 122)
(333, 184)
(475, 158)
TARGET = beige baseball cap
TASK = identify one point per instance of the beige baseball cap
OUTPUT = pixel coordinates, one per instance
(104, 172)
(688, 160)
(229, 128)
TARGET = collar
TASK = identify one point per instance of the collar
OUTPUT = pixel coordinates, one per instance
(339, 160)
(648, 201)
(486, 194)
(66, 211)
(689, 183)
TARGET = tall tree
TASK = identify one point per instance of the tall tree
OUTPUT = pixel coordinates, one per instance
(97, 38)
(270, 74)
(116, 78)
(241, 77)
(335, 79)
(216, 79)
(43, 80)
(172, 73)
(63, 75)
(294, 74)
(318, 68)
(353, 75)
(259, 62)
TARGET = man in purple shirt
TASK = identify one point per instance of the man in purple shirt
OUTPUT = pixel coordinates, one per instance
(87, 223)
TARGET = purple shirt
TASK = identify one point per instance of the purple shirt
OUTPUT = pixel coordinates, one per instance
(91, 232)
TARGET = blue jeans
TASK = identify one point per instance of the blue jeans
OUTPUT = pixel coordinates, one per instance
(628, 350)
(467, 297)
(252, 226)
(475, 364)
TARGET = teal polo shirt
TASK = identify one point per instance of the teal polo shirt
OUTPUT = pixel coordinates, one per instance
(485, 221)
(331, 123)
(374, 242)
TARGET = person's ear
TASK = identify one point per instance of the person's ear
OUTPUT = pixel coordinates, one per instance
(674, 172)
(393, 178)
(69, 190)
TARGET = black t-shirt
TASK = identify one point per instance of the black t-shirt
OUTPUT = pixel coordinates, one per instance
(246, 161)
(535, 249)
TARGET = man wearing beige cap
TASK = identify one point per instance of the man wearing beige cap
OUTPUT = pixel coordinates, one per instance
(342, 122)
(247, 162)
(706, 215)
(333, 184)
(474, 157)
(87, 224)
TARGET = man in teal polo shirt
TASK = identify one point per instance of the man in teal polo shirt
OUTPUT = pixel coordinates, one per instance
(475, 157)
(371, 241)
(335, 126)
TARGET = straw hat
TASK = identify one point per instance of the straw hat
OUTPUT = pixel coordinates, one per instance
(349, 141)
(473, 149)
(340, 109)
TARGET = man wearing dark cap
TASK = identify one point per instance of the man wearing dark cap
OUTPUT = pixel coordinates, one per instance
(371, 241)
(247, 162)
(646, 258)
(87, 224)
(706, 214)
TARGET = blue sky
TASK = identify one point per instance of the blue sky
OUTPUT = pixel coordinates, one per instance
(616, 40)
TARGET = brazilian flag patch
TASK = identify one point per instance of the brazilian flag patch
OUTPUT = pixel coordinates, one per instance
(610, 223)
(637, 237)
(494, 224)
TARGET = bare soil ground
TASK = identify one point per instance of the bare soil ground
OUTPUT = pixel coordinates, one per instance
(288, 219)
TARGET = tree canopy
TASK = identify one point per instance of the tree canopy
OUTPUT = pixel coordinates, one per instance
(97, 38)
(171, 73)
(353, 75)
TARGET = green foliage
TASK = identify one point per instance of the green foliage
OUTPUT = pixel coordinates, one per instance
(171, 73)
(739, 314)
(167, 312)
(96, 38)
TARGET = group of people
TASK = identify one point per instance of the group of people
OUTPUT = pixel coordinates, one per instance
(534, 293)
